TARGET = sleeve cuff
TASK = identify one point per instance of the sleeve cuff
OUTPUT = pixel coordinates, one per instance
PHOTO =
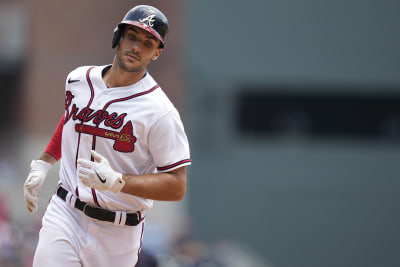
(174, 165)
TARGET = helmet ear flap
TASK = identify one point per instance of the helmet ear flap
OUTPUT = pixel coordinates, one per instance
(116, 37)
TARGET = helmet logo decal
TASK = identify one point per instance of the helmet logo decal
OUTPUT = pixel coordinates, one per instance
(149, 19)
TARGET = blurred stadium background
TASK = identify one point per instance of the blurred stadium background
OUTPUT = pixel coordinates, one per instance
(292, 110)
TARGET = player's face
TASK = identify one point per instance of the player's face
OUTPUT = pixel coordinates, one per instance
(136, 49)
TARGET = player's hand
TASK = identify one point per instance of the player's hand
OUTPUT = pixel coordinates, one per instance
(36, 177)
(99, 174)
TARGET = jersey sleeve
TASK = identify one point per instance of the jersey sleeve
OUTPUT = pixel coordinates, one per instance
(168, 143)
(54, 146)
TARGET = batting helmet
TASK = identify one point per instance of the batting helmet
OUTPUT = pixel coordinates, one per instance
(147, 18)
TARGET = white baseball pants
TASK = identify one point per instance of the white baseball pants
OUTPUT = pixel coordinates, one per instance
(69, 238)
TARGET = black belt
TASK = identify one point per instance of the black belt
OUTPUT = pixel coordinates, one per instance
(132, 219)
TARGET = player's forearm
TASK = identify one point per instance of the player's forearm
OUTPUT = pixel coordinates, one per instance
(48, 158)
(168, 186)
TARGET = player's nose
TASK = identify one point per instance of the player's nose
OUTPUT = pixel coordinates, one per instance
(135, 46)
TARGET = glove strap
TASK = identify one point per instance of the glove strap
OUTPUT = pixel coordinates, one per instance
(40, 165)
(118, 184)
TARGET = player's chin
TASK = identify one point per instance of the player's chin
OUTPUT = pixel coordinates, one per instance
(132, 68)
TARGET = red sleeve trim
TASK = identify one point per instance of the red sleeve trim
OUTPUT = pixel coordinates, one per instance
(174, 165)
(54, 146)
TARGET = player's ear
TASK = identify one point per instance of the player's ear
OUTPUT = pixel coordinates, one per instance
(157, 54)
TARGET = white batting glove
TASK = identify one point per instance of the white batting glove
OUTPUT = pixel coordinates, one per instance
(36, 177)
(99, 174)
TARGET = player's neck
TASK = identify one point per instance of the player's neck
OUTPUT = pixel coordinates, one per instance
(115, 77)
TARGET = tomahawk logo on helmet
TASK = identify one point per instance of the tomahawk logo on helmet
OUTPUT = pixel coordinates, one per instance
(147, 18)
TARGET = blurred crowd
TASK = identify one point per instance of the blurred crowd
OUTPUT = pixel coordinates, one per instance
(18, 243)
(184, 250)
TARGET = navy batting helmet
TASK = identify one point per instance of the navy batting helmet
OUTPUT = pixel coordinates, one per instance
(147, 18)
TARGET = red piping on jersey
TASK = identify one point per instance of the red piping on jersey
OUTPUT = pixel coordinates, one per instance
(79, 136)
(130, 97)
(92, 159)
(174, 165)
(88, 105)
(104, 108)
(77, 149)
(94, 138)
(91, 86)
(140, 246)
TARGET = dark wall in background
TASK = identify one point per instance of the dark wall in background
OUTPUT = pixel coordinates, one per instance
(303, 166)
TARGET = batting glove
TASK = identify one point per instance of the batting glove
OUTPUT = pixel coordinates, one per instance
(98, 174)
(36, 177)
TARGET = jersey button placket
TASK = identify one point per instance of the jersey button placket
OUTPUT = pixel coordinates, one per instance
(100, 101)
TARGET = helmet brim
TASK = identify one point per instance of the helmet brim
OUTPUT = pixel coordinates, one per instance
(144, 27)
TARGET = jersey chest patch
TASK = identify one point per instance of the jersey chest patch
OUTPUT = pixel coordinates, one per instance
(124, 141)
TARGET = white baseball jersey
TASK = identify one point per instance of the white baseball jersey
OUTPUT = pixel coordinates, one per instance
(135, 127)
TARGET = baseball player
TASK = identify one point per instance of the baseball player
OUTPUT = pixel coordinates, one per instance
(123, 145)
